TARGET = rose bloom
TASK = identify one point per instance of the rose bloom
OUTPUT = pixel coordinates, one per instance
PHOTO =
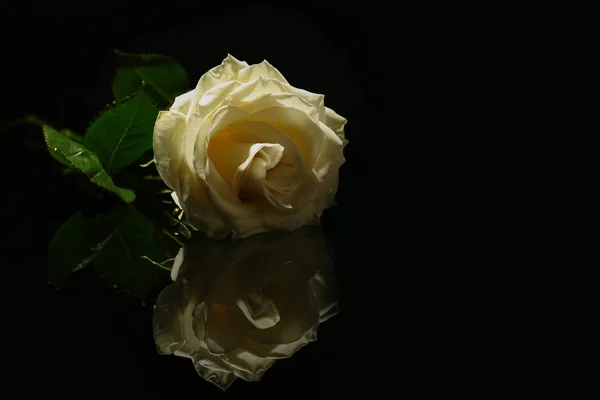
(237, 306)
(246, 152)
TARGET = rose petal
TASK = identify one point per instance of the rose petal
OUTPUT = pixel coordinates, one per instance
(182, 103)
(225, 323)
(192, 324)
(193, 191)
(215, 98)
(176, 199)
(219, 74)
(316, 100)
(197, 207)
(252, 179)
(276, 220)
(278, 351)
(285, 177)
(212, 369)
(335, 121)
(292, 327)
(232, 157)
(246, 365)
(332, 155)
(261, 70)
(263, 93)
(177, 263)
(260, 310)
(224, 328)
(167, 320)
(224, 116)
(306, 134)
(169, 129)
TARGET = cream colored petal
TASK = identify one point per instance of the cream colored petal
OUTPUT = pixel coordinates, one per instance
(332, 153)
(177, 264)
(223, 117)
(215, 98)
(169, 129)
(182, 103)
(282, 278)
(212, 369)
(192, 323)
(219, 74)
(278, 351)
(182, 354)
(285, 177)
(260, 310)
(292, 327)
(192, 192)
(176, 199)
(167, 320)
(225, 327)
(219, 192)
(307, 137)
(304, 132)
(270, 155)
(198, 210)
(222, 196)
(263, 93)
(227, 154)
(232, 150)
(195, 133)
(336, 122)
(261, 70)
(276, 220)
(264, 220)
(251, 179)
(246, 365)
(265, 84)
(316, 100)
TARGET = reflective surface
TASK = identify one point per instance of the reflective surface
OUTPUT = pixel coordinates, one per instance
(98, 339)
(238, 305)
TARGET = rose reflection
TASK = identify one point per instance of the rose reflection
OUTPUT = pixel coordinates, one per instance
(237, 306)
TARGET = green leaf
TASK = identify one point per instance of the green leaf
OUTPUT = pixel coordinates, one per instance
(117, 244)
(120, 257)
(69, 248)
(123, 133)
(75, 155)
(165, 77)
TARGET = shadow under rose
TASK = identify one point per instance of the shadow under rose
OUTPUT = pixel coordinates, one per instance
(238, 305)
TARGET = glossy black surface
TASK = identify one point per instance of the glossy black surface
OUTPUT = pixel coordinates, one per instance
(96, 340)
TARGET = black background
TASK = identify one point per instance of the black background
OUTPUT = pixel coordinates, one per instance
(94, 341)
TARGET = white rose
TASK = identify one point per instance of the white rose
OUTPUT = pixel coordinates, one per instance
(246, 152)
(237, 306)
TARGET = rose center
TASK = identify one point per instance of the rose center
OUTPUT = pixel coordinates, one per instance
(256, 170)
(260, 310)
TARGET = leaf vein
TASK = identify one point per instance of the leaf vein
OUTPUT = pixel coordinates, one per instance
(156, 88)
(112, 156)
